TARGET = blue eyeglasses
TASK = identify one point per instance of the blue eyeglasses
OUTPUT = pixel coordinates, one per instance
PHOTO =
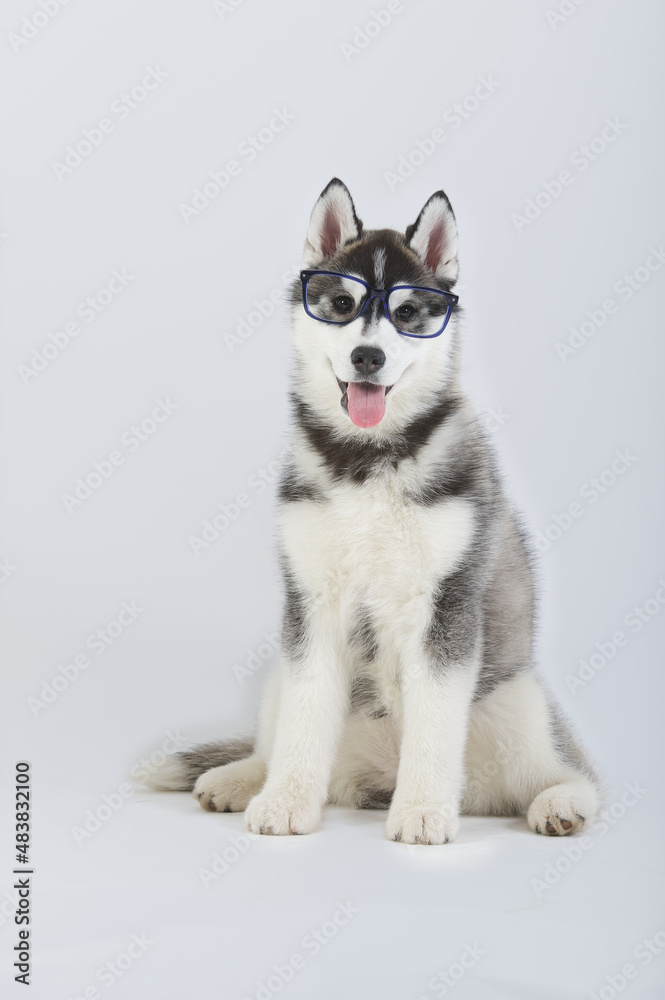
(341, 298)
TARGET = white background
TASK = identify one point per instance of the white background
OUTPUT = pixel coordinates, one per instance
(355, 115)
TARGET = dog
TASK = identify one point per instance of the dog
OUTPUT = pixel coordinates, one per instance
(406, 679)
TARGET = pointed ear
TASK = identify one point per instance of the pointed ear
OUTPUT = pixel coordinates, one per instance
(433, 236)
(333, 223)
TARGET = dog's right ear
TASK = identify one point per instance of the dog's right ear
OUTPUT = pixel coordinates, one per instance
(333, 223)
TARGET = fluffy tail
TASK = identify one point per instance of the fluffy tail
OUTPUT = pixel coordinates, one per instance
(180, 771)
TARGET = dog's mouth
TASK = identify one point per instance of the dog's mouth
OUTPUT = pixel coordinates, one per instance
(365, 402)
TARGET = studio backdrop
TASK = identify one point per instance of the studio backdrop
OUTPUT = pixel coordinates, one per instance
(159, 162)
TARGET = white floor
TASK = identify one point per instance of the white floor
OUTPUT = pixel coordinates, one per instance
(392, 921)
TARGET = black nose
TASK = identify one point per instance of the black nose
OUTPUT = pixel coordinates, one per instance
(368, 360)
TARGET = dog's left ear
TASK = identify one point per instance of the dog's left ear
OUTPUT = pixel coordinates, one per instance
(333, 223)
(433, 236)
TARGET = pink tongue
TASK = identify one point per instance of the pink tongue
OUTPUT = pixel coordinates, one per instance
(367, 403)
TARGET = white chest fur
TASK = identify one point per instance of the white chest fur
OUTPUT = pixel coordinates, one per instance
(370, 544)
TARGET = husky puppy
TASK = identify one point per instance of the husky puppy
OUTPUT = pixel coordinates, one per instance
(406, 679)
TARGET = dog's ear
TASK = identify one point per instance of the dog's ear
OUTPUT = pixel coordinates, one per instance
(334, 222)
(433, 236)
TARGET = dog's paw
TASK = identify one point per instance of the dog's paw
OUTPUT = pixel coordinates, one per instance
(231, 787)
(556, 812)
(426, 824)
(281, 815)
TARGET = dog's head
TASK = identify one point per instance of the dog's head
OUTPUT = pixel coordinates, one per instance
(365, 355)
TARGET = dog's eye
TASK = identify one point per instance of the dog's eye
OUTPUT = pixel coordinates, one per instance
(405, 312)
(343, 303)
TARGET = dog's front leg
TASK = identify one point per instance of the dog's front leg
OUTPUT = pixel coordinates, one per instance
(312, 707)
(436, 700)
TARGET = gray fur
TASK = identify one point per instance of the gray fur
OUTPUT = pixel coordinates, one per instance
(363, 637)
(370, 797)
(508, 610)
(566, 743)
(364, 693)
(184, 767)
(365, 697)
(295, 618)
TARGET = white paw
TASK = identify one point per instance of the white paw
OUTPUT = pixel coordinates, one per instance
(281, 815)
(229, 788)
(558, 812)
(426, 824)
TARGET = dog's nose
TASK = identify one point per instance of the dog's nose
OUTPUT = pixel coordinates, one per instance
(368, 360)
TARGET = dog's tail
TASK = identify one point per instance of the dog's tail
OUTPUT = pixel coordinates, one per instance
(180, 770)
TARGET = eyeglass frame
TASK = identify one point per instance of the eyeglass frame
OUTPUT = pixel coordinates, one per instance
(383, 295)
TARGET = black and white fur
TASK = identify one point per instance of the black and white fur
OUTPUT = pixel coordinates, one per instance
(406, 679)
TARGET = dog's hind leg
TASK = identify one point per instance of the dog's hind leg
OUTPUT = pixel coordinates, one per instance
(230, 787)
(522, 757)
(226, 774)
